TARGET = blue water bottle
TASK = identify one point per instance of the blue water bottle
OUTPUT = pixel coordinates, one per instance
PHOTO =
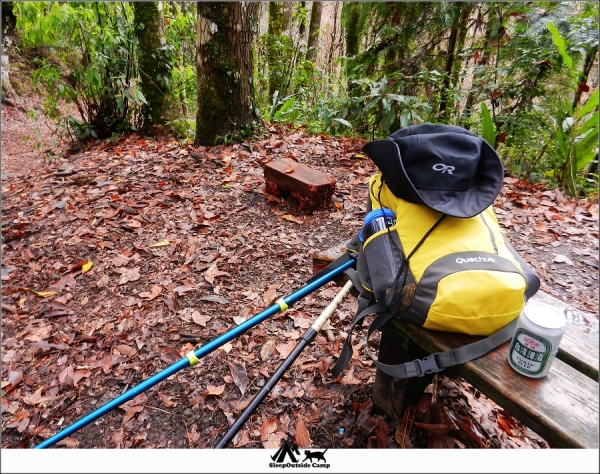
(376, 220)
(384, 257)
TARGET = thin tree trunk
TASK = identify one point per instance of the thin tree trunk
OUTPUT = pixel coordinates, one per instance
(288, 10)
(153, 63)
(460, 43)
(277, 23)
(351, 17)
(224, 65)
(9, 22)
(483, 59)
(302, 23)
(314, 31)
(590, 57)
(448, 70)
(334, 39)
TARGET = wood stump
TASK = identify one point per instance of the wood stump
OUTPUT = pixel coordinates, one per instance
(310, 187)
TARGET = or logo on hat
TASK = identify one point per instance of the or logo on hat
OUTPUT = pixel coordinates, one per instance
(443, 168)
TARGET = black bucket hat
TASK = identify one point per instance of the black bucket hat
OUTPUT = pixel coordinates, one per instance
(444, 167)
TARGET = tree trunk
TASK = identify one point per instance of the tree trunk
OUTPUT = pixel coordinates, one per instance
(483, 60)
(224, 65)
(448, 70)
(9, 21)
(351, 15)
(351, 18)
(590, 57)
(314, 30)
(302, 22)
(153, 63)
(463, 26)
(277, 24)
(288, 10)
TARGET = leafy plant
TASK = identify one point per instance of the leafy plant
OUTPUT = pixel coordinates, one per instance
(489, 131)
(382, 111)
(576, 128)
(282, 110)
(94, 65)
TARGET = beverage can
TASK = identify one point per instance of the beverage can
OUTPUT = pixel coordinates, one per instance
(536, 339)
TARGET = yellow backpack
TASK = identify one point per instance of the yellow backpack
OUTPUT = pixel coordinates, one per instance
(451, 270)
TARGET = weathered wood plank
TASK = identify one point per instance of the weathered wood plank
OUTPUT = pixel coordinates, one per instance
(310, 187)
(562, 407)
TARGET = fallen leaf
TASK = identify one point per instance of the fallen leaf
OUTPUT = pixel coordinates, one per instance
(126, 350)
(107, 362)
(285, 349)
(131, 412)
(214, 299)
(212, 272)
(560, 258)
(273, 441)
(171, 302)
(86, 267)
(80, 374)
(20, 421)
(240, 376)
(14, 376)
(133, 224)
(268, 427)
(289, 169)
(227, 347)
(161, 243)
(103, 281)
(180, 290)
(68, 443)
(199, 319)
(437, 429)
(66, 377)
(302, 321)
(77, 266)
(166, 400)
(45, 294)
(270, 295)
(297, 220)
(36, 398)
(213, 390)
(45, 346)
(301, 436)
(128, 274)
(267, 349)
(154, 292)
(62, 282)
(505, 426)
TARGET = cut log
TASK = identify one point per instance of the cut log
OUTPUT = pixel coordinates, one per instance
(310, 187)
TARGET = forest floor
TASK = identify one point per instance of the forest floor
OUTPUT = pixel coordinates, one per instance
(184, 245)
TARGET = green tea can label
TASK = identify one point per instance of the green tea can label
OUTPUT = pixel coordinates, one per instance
(536, 339)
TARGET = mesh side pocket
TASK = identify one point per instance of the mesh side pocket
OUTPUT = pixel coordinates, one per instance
(393, 283)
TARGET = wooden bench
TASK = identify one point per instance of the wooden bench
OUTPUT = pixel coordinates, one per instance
(562, 407)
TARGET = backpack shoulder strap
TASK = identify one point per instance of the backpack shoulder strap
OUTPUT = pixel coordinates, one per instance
(365, 307)
(439, 361)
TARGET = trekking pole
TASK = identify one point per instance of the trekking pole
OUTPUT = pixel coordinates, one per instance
(193, 357)
(308, 336)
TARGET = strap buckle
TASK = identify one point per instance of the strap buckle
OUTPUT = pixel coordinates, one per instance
(426, 366)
